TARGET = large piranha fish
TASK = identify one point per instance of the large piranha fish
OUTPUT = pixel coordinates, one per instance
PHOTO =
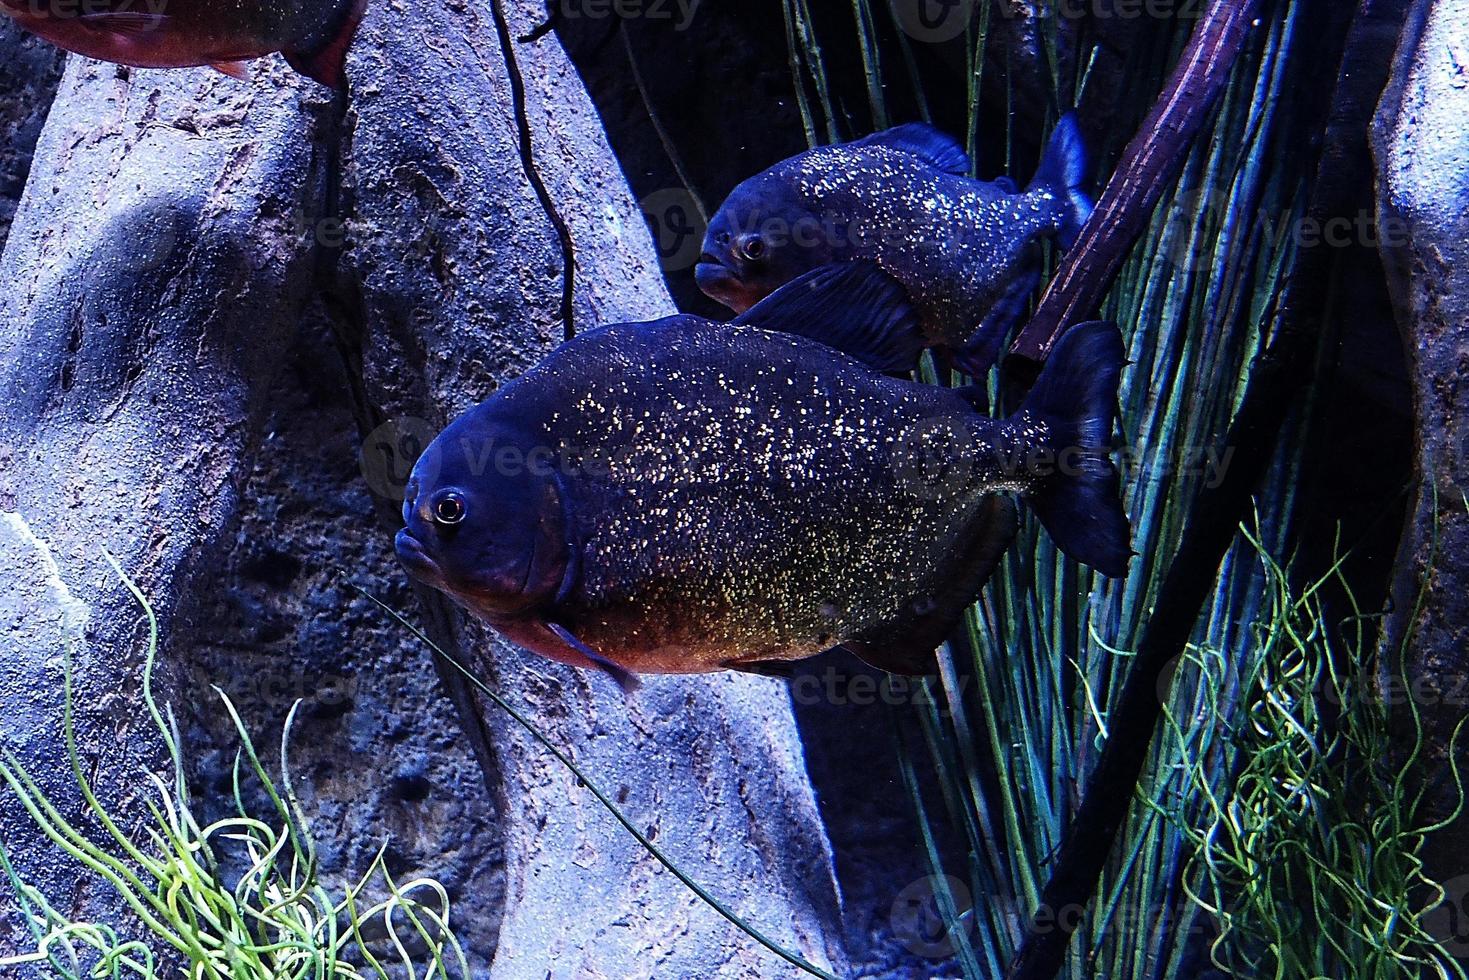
(314, 35)
(686, 496)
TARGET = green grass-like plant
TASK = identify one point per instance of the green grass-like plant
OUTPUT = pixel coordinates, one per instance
(276, 920)
(1049, 641)
(1310, 862)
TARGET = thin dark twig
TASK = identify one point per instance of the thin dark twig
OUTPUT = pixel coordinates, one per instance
(1148, 166)
(1343, 182)
(528, 162)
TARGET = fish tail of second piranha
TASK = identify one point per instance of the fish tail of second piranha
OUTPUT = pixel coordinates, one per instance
(1063, 175)
(1074, 403)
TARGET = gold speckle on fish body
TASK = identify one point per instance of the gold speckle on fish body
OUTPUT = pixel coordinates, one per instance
(779, 498)
(940, 213)
(752, 519)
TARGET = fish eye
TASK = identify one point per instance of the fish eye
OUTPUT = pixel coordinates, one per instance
(449, 509)
(753, 248)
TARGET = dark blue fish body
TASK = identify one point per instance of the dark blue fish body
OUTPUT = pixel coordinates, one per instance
(902, 199)
(685, 496)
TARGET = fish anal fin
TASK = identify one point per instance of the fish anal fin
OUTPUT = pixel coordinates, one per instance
(907, 646)
(625, 678)
(896, 656)
(853, 307)
(933, 146)
(234, 69)
(327, 62)
(783, 669)
(1010, 309)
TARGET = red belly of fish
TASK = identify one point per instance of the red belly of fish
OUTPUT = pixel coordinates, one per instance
(156, 49)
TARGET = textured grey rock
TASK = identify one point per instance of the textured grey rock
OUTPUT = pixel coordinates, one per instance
(146, 291)
(1423, 187)
(377, 752)
(29, 73)
(174, 230)
(456, 282)
(268, 616)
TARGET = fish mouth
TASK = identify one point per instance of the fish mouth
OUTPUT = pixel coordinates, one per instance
(712, 265)
(415, 559)
(716, 278)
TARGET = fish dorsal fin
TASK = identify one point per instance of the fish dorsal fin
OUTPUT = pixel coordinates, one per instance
(933, 146)
(853, 307)
(326, 60)
(124, 23)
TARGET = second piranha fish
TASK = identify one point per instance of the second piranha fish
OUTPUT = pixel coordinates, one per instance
(314, 35)
(686, 496)
(903, 198)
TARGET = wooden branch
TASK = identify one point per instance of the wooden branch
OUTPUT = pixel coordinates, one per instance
(1342, 186)
(1148, 165)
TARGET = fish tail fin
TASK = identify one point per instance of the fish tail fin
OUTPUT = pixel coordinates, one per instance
(1063, 174)
(324, 57)
(1080, 502)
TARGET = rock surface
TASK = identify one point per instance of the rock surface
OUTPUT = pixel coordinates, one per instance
(1423, 186)
(29, 73)
(149, 286)
(213, 292)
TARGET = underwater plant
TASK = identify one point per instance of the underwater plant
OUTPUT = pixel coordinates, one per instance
(1309, 857)
(1025, 707)
(234, 898)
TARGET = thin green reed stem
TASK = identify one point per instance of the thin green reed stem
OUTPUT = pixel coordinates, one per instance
(978, 35)
(670, 149)
(943, 895)
(915, 79)
(816, 63)
(798, 79)
(871, 62)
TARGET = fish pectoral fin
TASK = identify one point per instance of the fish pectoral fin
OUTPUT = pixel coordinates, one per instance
(124, 23)
(625, 678)
(234, 69)
(854, 307)
(896, 656)
(933, 146)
